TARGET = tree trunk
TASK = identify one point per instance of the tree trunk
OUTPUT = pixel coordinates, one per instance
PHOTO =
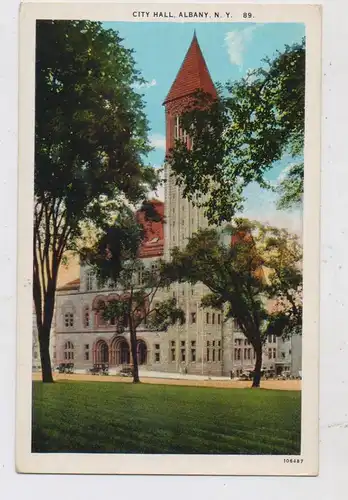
(46, 368)
(133, 340)
(258, 365)
(44, 323)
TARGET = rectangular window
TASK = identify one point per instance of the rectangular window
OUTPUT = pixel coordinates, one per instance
(176, 127)
(157, 346)
(86, 318)
(173, 343)
(219, 319)
(89, 281)
(69, 320)
(157, 357)
(269, 353)
(213, 354)
(173, 354)
(207, 318)
(193, 317)
(193, 343)
(219, 343)
(213, 319)
(182, 343)
(183, 355)
(274, 339)
(193, 355)
(213, 343)
(274, 353)
(208, 354)
(219, 355)
(86, 347)
(87, 356)
(245, 353)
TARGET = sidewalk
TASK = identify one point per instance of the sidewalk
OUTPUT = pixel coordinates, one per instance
(164, 375)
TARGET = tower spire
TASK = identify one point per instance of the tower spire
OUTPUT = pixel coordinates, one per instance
(192, 75)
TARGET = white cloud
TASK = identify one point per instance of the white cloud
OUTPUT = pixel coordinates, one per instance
(146, 85)
(158, 141)
(158, 193)
(261, 205)
(283, 174)
(236, 42)
(292, 221)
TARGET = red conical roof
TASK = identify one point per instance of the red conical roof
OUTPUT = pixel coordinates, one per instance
(192, 75)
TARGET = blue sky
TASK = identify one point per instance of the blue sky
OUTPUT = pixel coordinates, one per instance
(230, 50)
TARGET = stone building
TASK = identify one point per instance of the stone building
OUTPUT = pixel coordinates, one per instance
(204, 344)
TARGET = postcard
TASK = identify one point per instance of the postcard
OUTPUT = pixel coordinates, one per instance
(168, 241)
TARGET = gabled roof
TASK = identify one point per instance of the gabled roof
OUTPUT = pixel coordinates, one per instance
(193, 75)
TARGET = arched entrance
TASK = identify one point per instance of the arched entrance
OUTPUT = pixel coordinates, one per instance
(119, 352)
(101, 352)
(142, 352)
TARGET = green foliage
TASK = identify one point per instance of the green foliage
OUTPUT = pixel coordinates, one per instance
(256, 278)
(165, 314)
(91, 135)
(238, 138)
(290, 188)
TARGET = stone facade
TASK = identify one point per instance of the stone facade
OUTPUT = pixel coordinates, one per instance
(204, 344)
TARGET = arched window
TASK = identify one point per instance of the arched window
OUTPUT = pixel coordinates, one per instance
(68, 351)
(142, 352)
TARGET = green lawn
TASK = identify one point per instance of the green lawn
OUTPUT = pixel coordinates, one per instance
(104, 417)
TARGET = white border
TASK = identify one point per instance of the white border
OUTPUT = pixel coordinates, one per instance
(169, 464)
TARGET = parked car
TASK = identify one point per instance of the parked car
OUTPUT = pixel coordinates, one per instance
(127, 371)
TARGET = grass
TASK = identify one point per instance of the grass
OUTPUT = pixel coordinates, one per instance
(96, 417)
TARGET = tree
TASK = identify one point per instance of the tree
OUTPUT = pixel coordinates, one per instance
(90, 141)
(237, 138)
(256, 277)
(116, 257)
